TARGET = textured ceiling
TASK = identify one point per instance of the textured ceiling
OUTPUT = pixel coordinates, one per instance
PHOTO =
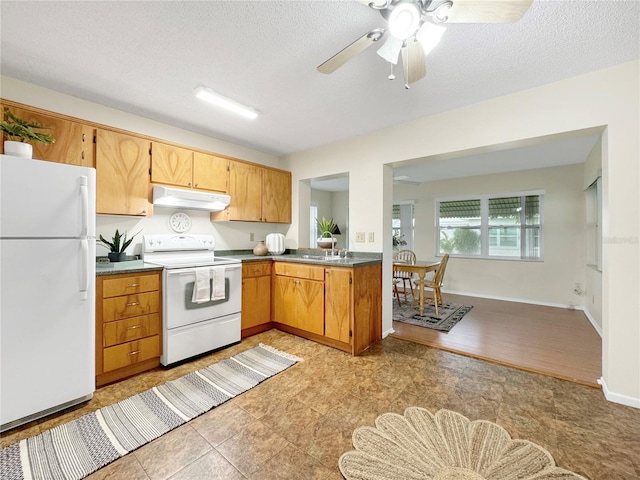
(146, 58)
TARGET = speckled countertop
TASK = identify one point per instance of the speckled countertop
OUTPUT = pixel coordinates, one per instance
(312, 257)
(131, 266)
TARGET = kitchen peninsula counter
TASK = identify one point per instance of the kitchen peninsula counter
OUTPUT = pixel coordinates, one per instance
(349, 262)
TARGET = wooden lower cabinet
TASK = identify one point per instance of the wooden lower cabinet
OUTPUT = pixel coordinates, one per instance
(337, 306)
(128, 325)
(256, 298)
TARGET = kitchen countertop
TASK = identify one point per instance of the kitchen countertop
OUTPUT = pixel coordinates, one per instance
(131, 266)
(351, 261)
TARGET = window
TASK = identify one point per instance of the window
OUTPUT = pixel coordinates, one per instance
(402, 226)
(491, 226)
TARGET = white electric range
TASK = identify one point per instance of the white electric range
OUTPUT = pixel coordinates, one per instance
(191, 327)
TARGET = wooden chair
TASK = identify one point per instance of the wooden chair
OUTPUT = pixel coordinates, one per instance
(435, 283)
(405, 256)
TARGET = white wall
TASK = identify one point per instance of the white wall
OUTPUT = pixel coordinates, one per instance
(604, 100)
(229, 235)
(551, 281)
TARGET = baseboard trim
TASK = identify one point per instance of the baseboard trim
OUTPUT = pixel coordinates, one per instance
(508, 299)
(386, 333)
(617, 397)
(592, 320)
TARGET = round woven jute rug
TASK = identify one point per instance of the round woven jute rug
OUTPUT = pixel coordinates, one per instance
(446, 445)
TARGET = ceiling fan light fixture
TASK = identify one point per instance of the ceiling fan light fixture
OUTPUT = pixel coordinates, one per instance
(210, 96)
(429, 36)
(390, 50)
(404, 20)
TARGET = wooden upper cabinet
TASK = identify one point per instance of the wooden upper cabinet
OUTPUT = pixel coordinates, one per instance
(245, 189)
(258, 194)
(122, 174)
(182, 167)
(276, 196)
(210, 172)
(74, 140)
(171, 165)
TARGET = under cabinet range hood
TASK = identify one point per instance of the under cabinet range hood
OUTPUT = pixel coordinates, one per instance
(189, 199)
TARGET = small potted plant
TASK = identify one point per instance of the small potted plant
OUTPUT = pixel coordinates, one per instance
(117, 246)
(327, 229)
(19, 132)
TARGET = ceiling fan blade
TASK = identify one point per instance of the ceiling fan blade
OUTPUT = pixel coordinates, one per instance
(390, 49)
(485, 11)
(347, 53)
(413, 62)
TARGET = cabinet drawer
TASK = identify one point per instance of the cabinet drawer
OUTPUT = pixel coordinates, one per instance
(256, 269)
(127, 285)
(299, 270)
(135, 328)
(117, 308)
(131, 353)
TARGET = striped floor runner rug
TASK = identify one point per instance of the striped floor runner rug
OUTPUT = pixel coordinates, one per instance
(82, 446)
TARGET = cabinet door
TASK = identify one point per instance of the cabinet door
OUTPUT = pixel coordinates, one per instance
(338, 302)
(309, 312)
(171, 165)
(245, 188)
(256, 301)
(284, 301)
(122, 174)
(74, 141)
(210, 172)
(276, 196)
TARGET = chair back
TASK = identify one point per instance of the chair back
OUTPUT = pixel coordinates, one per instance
(404, 256)
(439, 275)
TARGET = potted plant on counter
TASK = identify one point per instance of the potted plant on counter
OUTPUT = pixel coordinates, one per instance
(117, 246)
(327, 229)
(19, 132)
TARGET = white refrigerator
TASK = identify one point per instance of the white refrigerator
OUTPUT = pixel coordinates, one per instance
(47, 288)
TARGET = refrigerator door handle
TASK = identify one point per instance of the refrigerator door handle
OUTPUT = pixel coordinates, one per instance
(84, 269)
(84, 196)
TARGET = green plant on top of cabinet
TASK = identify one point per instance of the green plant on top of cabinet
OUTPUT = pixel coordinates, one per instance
(73, 140)
(181, 167)
(258, 194)
(122, 174)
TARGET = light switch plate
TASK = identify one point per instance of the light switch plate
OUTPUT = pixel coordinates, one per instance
(372, 236)
(359, 236)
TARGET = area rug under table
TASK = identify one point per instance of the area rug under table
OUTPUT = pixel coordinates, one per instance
(82, 446)
(449, 314)
(446, 445)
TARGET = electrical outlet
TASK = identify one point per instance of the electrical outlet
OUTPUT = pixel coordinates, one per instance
(372, 237)
(251, 237)
(359, 236)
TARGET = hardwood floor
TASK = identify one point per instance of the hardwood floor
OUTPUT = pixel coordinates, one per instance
(556, 342)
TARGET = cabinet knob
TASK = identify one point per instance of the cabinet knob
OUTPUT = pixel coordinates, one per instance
(189, 184)
(134, 353)
(133, 285)
(132, 304)
(133, 327)
(196, 185)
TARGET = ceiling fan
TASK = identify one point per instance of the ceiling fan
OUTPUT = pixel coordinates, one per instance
(415, 27)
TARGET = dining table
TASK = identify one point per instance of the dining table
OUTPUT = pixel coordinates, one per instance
(421, 268)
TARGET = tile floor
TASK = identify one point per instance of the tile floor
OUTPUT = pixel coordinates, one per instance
(297, 424)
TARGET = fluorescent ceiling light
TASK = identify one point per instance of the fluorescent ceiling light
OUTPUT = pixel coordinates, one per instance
(404, 20)
(208, 95)
(429, 36)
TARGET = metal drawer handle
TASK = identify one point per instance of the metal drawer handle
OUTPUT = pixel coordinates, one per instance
(133, 327)
(134, 353)
(132, 304)
(133, 285)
